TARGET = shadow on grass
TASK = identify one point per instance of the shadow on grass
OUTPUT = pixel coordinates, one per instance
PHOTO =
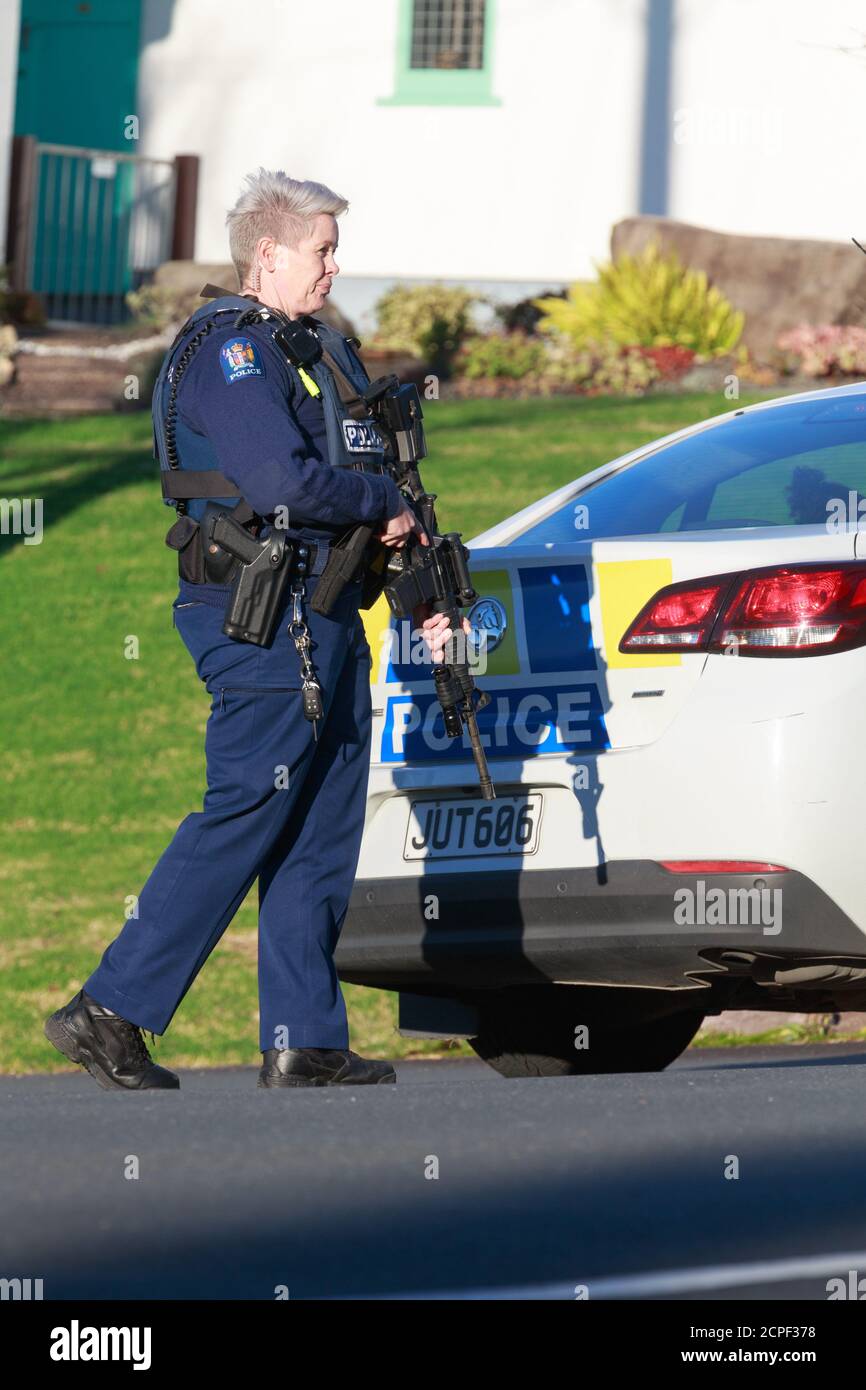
(98, 474)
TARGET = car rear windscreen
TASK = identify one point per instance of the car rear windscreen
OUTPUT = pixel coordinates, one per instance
(788, 465)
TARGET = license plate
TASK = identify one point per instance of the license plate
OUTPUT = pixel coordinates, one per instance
(461, 828)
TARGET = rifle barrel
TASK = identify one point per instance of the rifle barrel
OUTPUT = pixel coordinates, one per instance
(487, 789)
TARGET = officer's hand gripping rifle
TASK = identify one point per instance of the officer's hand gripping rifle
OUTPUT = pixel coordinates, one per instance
(435, 574)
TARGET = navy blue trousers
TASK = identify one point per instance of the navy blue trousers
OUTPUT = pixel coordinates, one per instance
(280, 807)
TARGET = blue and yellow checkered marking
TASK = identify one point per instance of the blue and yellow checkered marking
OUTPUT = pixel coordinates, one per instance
(528, 719)
(556, 617)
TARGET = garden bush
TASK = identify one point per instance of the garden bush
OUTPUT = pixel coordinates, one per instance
(514, 364)
(648, 300)
(513, 355)
(162, 307)
(430, 321)
(826, 349)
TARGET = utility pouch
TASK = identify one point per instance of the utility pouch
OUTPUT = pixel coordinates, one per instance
(185, 538)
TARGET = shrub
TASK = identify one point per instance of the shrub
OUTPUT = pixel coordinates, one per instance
(430, 321)
(567, 368)
(624, 372)
(511, 355)
(162, 306)
(826, 348)
(759, 373)
(19, 306)
(671, 362)
(509, 364)
(647, 300)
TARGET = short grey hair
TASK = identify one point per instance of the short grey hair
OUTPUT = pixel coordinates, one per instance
(274, 205)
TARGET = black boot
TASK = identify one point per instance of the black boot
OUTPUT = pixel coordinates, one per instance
(110, 1047)
(321, 1066)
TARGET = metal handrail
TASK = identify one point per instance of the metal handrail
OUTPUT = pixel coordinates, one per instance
(80, 151)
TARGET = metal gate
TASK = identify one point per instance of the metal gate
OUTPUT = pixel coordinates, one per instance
(94, 224)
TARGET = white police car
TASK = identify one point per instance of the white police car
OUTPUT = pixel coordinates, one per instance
(677, 735)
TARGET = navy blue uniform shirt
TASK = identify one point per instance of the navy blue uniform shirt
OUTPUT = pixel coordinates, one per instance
(269, 436)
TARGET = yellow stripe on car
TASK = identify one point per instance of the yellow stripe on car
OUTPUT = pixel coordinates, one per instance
(376, 621)
(624, 587)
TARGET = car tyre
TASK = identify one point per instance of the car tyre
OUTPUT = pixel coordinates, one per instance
(534, 1035)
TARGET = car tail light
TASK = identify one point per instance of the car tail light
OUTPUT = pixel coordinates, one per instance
(679, 618)
(797, 609)
(721, 866)
(778, 610)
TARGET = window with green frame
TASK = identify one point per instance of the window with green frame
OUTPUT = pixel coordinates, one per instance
(444, 50)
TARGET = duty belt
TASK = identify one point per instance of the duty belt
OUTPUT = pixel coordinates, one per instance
(317, 554)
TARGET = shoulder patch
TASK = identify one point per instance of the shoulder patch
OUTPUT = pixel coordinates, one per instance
(240, 358)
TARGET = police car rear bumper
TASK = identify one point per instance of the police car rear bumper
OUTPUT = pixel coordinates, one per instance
(611, 926)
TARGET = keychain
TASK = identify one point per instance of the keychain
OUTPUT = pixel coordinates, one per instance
(300, 635)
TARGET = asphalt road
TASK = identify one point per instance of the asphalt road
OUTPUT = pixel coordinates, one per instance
(616, 1183)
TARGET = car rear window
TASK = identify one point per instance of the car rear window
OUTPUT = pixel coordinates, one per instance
(790, 465)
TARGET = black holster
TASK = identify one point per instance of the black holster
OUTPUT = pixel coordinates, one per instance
(375, 575)
(197, 562)
(356, 555)
(346, 561)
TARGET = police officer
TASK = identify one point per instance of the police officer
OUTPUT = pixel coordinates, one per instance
(240, 425)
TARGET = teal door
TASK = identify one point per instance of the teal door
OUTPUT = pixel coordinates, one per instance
(77, 77)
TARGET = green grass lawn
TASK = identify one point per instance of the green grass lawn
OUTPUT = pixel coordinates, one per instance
(104, 755)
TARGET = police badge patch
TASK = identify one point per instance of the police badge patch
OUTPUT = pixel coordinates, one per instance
(240, 358)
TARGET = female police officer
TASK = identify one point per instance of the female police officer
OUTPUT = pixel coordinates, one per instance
(285, 798)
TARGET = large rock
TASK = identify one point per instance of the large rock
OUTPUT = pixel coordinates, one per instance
(187, 278)
(778, 282)
(8, 348)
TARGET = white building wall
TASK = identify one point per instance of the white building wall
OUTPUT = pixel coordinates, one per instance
(762, 127)
(770, 117)
(526, 190)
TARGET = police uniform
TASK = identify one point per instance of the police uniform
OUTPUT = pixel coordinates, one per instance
(285, 799)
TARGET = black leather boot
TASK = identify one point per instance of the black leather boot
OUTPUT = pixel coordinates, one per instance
(110, 1047)
(321, 1066)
